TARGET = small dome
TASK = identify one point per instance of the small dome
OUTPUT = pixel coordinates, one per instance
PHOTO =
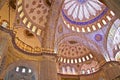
(72, 49)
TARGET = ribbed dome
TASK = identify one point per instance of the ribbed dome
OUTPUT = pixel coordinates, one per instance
(82, 9)
(85, 15)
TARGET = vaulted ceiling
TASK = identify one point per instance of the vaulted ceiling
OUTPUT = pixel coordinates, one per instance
(83, 33)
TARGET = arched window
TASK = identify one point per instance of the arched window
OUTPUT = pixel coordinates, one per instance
(69, 70)
(93, 69)
(88, 71)
(63, 70)
(23, 69)
(73, 71)
(83, 71)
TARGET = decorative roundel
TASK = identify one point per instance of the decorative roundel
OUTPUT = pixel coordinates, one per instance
(82, 1)
(72, 49)
(78, 14)
(98, 37)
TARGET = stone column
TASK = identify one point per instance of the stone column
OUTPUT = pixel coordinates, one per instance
(48, 70)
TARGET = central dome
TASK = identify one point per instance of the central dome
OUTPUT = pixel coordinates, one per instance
(80, 10)
(85, 15)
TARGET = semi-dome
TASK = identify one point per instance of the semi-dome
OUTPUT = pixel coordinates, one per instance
(33, 14)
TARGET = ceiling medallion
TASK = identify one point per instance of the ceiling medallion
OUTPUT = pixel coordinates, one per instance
(82, 1)
(98, 37)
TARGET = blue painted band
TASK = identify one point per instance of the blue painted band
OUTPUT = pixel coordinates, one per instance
(87, 22)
